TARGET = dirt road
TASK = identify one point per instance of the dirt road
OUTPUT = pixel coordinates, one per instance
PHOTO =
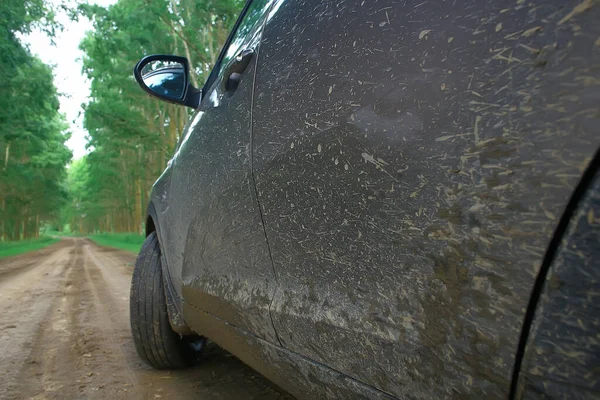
(64, 334)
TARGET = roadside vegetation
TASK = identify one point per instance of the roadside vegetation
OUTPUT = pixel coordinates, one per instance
(125, 241)
(33, 155)
(8, 249)
(131, 135)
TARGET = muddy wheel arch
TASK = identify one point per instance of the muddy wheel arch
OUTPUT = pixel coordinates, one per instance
(559, 352)
(174, 302)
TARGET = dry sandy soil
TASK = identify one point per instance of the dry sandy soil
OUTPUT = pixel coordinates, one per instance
(64, 334)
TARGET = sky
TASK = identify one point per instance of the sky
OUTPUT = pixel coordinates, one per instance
(65, 58)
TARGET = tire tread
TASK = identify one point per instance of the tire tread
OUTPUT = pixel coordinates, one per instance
(155, 341)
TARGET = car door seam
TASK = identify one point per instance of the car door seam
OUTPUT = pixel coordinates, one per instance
(260, 212)
(551, 252)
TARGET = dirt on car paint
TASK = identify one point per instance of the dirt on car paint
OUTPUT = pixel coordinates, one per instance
(64, 333)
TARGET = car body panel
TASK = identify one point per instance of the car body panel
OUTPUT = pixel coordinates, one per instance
(212, 234)
(300, 376)
(412, 162)
(563, 358)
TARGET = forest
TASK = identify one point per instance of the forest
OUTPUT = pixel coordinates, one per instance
(131, 136)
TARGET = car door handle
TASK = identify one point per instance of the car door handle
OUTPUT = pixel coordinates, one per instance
(236, 67)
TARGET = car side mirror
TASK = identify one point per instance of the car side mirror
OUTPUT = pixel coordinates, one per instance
(167, 78)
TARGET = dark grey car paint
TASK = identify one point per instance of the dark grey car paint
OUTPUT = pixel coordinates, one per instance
(412, 161)
(564, 358)
(214, 242)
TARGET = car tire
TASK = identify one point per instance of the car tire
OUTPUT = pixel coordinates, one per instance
(155, 341)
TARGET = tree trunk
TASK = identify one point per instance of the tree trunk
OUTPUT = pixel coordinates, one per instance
(186, 47)
(6, 154)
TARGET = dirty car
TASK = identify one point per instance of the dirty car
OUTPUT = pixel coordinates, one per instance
(385, 199)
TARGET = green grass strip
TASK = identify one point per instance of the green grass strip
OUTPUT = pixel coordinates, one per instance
(131, 242)
(8, 249)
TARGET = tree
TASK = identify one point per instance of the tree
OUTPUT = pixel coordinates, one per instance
(132, 136)
(32, 132)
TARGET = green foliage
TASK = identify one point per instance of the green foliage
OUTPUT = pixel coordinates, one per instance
(9, 249)
(32, 132)
(82, 211)
(62, 233)
(132, 135)
(125, 241)
(21, 15)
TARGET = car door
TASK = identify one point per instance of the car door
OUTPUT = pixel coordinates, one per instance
(412, 161)
(216, 243)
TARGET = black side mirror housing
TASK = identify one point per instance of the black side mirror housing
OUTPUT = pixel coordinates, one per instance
(167, 77)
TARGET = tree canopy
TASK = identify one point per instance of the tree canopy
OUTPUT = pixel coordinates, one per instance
(32, 132)
(131, 135)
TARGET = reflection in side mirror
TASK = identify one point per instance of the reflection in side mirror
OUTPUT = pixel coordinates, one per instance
(167, 77)
(165, 80)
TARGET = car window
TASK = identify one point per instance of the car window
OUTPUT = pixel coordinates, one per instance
(255, 11)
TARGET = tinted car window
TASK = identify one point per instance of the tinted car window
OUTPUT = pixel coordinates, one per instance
(255, 11)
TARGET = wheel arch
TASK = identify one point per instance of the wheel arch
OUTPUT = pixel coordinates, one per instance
(150, 226)
(174, 302)
(557, 344)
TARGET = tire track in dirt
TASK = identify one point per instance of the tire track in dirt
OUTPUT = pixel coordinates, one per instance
(52, 350)
(20, 264)
(64, 334)
(24, 314)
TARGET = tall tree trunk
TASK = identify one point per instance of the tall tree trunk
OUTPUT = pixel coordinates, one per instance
(6, 154)
(138, 207)
(186, 46)
(4, 217)
(23, 235)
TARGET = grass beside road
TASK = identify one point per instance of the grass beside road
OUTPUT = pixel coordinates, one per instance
(8, 249)
(125, 241)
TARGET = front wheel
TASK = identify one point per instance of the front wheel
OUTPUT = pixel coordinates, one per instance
(155, 341)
